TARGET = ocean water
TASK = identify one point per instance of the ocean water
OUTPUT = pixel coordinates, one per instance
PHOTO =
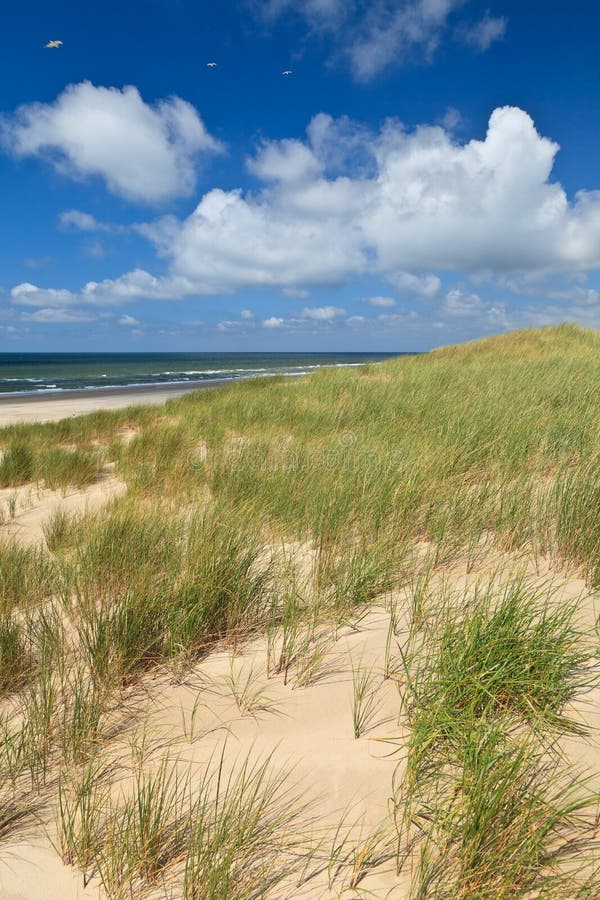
(55, 372)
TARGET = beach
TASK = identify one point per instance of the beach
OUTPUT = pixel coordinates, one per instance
(50, 387)
(51, 407)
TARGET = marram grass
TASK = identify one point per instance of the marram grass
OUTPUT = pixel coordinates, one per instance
(490, 444)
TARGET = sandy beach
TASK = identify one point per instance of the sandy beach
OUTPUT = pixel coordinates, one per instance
(36, 407)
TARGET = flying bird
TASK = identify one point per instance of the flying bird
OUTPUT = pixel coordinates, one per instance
(211, 65)
(53, 44)
(287, 72)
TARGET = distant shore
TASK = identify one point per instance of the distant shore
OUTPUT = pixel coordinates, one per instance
(50, 407)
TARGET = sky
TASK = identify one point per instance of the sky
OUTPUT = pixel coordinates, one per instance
(426, 173)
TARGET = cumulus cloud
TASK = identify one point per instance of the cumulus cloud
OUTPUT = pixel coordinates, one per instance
(27, 294)
(322, 313)
(458, 303)
(424, 286)
(242, 325)
(430, 203)
(146, 153)
(231, 241)
(426, 204)
(309, 319)
(132, 286)
(285, 161)
(371, 37)
(128, 320)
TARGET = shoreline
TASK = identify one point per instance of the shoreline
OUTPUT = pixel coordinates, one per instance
(51, 407)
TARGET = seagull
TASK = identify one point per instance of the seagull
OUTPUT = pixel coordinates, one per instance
(53, 44)
(287, 72)
(211, 65)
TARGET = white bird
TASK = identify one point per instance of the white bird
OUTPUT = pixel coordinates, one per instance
(53, 44)
(287, 72)
(211, 65)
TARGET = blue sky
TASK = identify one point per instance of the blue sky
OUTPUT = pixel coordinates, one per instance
(427, 173)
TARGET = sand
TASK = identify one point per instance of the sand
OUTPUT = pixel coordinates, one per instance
(52, 407)
(34, 507)
(307, 728)
(304, 727)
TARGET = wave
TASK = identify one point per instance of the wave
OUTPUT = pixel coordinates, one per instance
(55, 382)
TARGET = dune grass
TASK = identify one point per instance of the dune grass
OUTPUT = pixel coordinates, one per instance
(229, 834)
(488, 805)
(28, 460)
(509, 822)
(27, 576)
(378, 478)
(504, 651)
(17, 466)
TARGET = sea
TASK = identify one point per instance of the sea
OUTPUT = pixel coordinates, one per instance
(44, 373)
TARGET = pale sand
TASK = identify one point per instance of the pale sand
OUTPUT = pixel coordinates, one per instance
(307, 728)
(52, 407)
(35, 507)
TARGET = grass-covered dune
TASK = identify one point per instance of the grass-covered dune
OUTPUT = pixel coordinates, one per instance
(285, 510)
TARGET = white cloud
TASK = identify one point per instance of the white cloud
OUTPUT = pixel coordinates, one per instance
(322, 313)
(457, 303)
(128, 320)
(144, 153)
(57, 316)
(247, 314)
(398, 318)
(424, 286)
(296, 293)
(319, 14)
(132, 286)
(430, 203)
(482, 34)
(243, 325)
(452, 119)
(380, 301)
(231, 241)
(285, 161)
(389, 34)
(426, 204)
(371, 37)
(80, 221)
(574, 294)
(27, 294)
(273, 322)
